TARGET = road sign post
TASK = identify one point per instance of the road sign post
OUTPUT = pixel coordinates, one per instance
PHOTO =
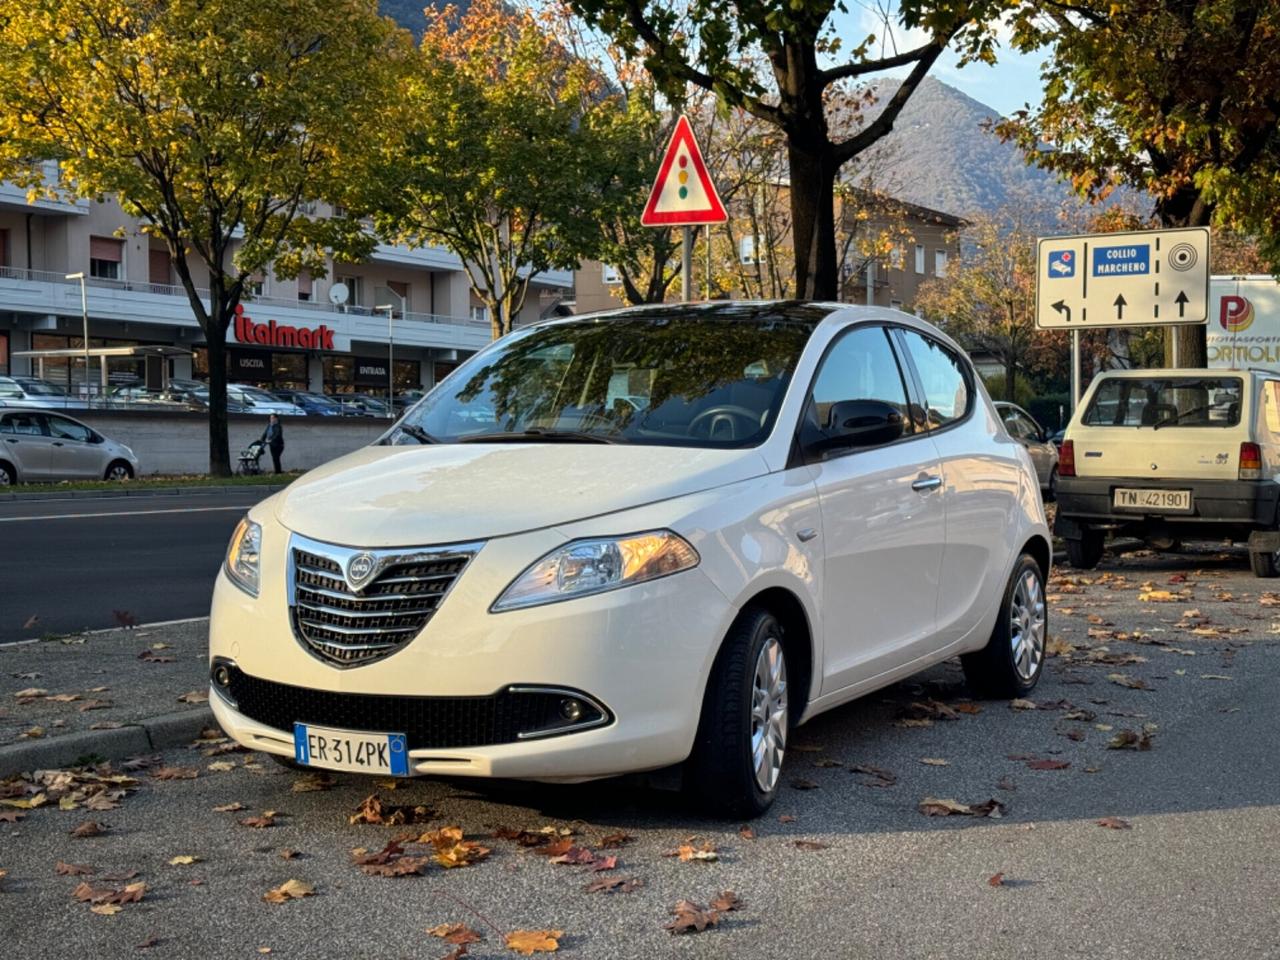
(684, 196)
(1102, 280)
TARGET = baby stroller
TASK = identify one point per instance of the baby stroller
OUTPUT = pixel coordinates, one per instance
(249, 457)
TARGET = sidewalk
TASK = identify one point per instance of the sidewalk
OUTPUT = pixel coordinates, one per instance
(111, 694)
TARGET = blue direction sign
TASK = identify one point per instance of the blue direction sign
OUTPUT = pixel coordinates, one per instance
(1124, 261)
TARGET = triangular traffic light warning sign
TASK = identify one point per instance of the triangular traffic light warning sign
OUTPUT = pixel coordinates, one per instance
(683, 194)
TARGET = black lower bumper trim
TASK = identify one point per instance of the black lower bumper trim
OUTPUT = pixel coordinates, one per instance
(508, 716)
(1218, 504)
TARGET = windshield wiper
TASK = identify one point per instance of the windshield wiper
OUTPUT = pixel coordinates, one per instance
(538, 434)
(417, 433)
(1174, 418)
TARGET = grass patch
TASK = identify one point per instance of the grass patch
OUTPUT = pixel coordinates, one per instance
(201, 480)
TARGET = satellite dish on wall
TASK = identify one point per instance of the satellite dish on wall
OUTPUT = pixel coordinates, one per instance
(338, 294)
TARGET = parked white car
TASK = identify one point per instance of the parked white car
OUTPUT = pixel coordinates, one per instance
(1172, 456)
(38, 445)
(534, 576)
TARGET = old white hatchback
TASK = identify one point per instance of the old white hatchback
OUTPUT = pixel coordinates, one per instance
(623, 542)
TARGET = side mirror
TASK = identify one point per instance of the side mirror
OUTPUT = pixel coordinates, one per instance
(861, 423)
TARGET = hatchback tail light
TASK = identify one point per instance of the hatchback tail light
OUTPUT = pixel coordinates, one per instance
(1067, 459)
(1250, 461)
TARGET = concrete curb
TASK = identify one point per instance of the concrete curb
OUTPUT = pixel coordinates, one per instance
(154, 733)
(126, 491)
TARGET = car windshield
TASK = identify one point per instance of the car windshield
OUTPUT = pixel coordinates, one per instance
(662, 377)
(1165, 402)
(38, 388)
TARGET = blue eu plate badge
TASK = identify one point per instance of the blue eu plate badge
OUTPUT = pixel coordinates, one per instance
(349, 750)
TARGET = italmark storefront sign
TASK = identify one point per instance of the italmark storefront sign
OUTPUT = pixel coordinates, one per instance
(280, 335)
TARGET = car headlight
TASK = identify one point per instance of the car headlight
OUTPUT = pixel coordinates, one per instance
(243, 555)
(584, 567)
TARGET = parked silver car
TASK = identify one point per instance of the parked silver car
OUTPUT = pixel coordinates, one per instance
(40, 445)
(1044, 452)
(34, 392)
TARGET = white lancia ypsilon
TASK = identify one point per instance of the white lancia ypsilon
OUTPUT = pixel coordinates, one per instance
(651, 537)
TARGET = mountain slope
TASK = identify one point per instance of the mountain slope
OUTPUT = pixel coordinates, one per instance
(939, 155)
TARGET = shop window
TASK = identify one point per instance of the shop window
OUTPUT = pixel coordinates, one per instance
(408, 375)
(106, 256)
(339, 374)
(290, 371)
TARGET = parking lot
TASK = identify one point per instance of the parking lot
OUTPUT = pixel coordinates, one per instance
(1100, 819)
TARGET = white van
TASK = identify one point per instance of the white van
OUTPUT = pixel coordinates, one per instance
(1173, 455)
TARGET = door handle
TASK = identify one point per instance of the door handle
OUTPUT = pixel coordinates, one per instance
(57, 443)
(926, 483)
(807, 534)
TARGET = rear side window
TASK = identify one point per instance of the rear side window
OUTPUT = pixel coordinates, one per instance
(1165, 402)
(1271, 406)
(947, 393)
(64, 429)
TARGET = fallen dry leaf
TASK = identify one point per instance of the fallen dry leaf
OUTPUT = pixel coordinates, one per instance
(615, 840)
(232, 807)
(289, 890)
(455, 933)
(221, 766)
(687, 852)
(935, 807)
(175, 773)
(1130, 740)
(528, 942)
(1018, 703)
(614, 885)
(194, 696)
(311, 782)
(90, 828)
(1114, 823)
(1157, 596)
(801, 783)
(746, 833)
(31, 693)
(451, 850)
(966, 707)
(114, 896)
(72, 869)
(184, 860)
(1048, 764)
(1124, 680)
(786, 818)
(147, 944)
(258, 823)
(996, 880)
(879, 776)
(373, 811)
(809, 845)
(935, 762)
(390, 861)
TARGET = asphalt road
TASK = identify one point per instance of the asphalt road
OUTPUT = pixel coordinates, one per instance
(1196, 875)
(84, 564)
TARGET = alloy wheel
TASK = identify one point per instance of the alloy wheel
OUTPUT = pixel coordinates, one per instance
(1027, 625)
(118, 472)
(769, 714)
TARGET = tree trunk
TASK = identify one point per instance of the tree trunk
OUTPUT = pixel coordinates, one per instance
(1186, 208)
(813, 223)
(215, 337)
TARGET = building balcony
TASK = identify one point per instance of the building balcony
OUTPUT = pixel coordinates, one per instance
(14, 198)
(44, 295)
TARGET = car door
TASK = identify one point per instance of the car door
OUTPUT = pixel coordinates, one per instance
(882, 520)
(980, 485)
(27, 443)
(72, 453)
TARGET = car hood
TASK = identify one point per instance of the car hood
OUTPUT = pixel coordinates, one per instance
(392, 496)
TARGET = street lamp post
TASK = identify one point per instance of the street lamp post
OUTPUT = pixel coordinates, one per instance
(391, 370)
(84, 313)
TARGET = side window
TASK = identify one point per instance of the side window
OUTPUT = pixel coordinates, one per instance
(1270, 405)
(64, 429)
(29, 424)
(6, 425)
(859, 366)
(942, 374)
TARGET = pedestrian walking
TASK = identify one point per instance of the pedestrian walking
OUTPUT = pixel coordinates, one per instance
(273, 437)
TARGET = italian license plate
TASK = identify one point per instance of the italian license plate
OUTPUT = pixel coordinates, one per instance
(348, 750)
(1158, 501)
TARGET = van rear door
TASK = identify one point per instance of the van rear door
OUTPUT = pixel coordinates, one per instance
(1165, 426)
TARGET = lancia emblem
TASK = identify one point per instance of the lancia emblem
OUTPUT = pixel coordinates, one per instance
(359, 570)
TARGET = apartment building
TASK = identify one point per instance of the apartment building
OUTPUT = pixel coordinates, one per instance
(320, 334)
(926, 243)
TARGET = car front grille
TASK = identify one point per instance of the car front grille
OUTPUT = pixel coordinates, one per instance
(508, 716)
(350, 607)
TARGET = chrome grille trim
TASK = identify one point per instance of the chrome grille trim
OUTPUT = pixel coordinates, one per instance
(346, 620)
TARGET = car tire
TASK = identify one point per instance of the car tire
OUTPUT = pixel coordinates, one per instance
(735, 768)
(8, 476)
(1086, 552)
(118, 470)
(1265, 566)
(1011, 662)
(1052, 493)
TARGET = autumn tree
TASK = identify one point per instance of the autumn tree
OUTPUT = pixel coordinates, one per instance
(213, 121)
(778, 59)
(507, 149)
(987, 300)
(1178, 98)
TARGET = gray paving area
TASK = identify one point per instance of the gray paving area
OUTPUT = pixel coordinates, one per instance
(1176, 651)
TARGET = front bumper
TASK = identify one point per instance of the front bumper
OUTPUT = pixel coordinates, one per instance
(643, 653)
(1218, 507)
